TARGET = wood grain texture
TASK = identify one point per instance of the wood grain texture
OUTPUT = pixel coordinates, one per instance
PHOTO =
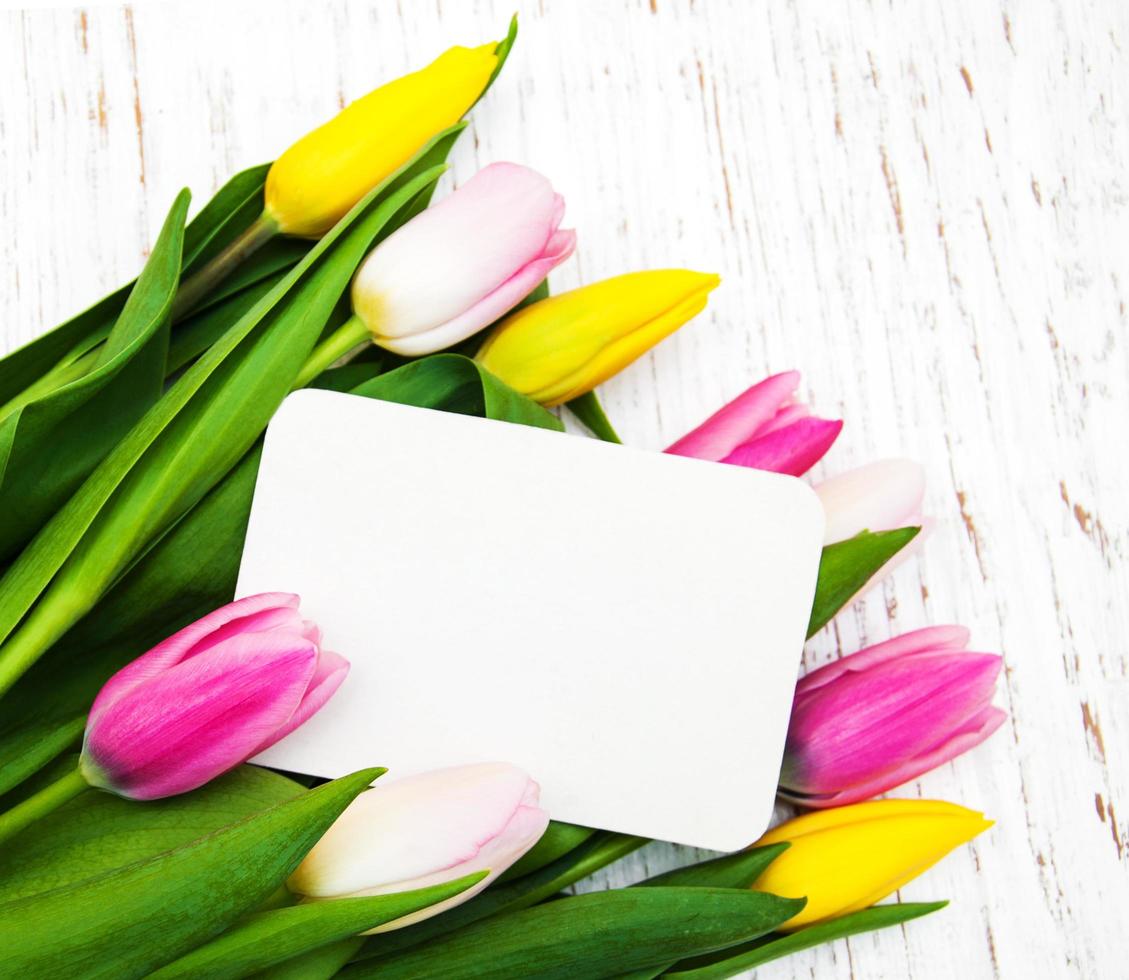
(922, 208)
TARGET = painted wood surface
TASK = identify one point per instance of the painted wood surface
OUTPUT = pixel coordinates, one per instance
(924, 208)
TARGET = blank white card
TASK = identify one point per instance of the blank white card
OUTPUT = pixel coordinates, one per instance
(624, 625)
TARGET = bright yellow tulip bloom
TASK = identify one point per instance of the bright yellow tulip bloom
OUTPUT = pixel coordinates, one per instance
(562, 347)
(315, 182)
(850, 857)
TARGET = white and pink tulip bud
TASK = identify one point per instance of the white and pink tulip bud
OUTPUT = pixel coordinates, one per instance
(880, 496)
(764, 428)
(461, 264)
(208, 698)
(425, 830)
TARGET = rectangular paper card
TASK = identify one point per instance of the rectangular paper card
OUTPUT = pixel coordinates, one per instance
(626, 626)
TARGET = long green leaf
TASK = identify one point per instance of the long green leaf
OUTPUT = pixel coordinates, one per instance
(588, 409)
(318, 964)
(200, 428)
(98, 832)
(597, 852)
(746, 957)
(847, 566)
(269, 938)
(128, 922)
(50, 444)
(737, 870)
(590, 936)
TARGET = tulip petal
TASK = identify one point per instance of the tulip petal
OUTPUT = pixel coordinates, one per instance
(316, 181)
(878, 497)
(930, 639)
(200, 718)
(971, 735)
(792, 450)
(329, 675)
(867, 723)
(263, 611)
(848, 858)
(492, 306)
(788, 414)
(452, 256)
(522, 831)
(408, 829)
(739, 420)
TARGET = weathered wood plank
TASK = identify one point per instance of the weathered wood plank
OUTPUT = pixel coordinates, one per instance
(924, 209)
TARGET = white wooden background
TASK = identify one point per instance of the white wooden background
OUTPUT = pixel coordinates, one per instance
(922, 207)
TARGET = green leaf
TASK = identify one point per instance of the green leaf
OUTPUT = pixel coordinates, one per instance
(746, 957)
(457, 384)
(318, 964)
(49, 443)
(269, 938)
(597, 852)
(201, 427)
(98, 832)
(738, 870)
(129, 921)
(588, 409)
(847, 566)
(503, 49)
(590, 936)
(558, 839)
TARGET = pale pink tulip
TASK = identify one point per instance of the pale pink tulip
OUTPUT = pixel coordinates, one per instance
(763, 428)
(883, 716)
(424, 830)
(208, 698)
(458, 266)
(880, 496)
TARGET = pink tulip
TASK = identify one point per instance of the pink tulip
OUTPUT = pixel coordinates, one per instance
(883, 716)
(208, 698)
(763, 429)
(458, 266)
(424, 830)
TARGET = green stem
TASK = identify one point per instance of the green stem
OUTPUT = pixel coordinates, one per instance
(49, 798)
(193, 289)
(345, 339)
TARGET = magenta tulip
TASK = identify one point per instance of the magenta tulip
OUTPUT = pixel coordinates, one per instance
(885, 715)
(208, 698)
(458, 266)
(763, 429)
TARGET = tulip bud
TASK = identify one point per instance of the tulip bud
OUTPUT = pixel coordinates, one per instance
(461, 264)
(425, 830)
(880, 717)
(564, 346)
(318, 179)
(763, 429)
(846, 859)
(208, 698)
(880, 496)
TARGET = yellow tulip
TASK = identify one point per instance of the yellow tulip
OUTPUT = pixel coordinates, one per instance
(315, 182)
(562, 347)
(850, 857)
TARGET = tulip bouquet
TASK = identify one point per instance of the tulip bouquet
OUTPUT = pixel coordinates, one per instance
(133, 689)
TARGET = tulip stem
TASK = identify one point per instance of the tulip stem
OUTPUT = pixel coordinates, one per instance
(345, 339)
(50, 798)
(193, 289)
